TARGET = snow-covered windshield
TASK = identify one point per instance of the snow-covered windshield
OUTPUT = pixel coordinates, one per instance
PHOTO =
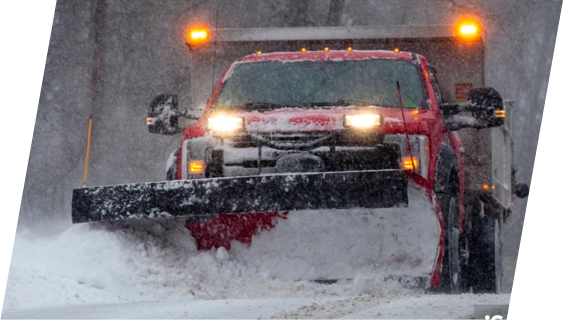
(321, 83)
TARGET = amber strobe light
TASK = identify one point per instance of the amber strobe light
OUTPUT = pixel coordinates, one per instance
(468, 29)
(197, 35)
(196, 166)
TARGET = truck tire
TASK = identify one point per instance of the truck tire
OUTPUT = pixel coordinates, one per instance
(487, 256)
(451, 275)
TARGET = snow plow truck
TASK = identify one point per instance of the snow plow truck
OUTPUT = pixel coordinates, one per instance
(332, 130)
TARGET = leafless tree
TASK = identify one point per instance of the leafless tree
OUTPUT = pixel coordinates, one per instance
(335, 12)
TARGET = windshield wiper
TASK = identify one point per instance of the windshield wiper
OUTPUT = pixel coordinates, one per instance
(338, 103)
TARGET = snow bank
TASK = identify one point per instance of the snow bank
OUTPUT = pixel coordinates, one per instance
(157, 260)
(132, 261)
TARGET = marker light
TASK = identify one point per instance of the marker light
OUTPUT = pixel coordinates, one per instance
(196, 166)
(326, 48)
(198, 35)
(500, 113)
(303, 49)
(259, 52)
(468, 29)
(350, 48)
(410, 163)
(396, 50)
(225, 124)
(362, 121)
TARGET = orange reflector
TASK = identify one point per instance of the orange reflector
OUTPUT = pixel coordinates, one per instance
(198, 35)
(410, 164)
(196, 166)
(303, 49)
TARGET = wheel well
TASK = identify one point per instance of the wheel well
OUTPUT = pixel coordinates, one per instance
(453, 182)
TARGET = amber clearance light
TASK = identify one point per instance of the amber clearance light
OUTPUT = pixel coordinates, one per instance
(197, 35)
(410, 163)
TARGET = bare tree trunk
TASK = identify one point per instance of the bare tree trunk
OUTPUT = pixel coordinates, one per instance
(298, 13)
(335, 12)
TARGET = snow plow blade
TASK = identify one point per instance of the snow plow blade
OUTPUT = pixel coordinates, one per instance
(202, 199)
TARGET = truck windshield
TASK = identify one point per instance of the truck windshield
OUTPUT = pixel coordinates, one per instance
(320, 84)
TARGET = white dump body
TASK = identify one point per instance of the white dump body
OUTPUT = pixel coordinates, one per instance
(489, 159)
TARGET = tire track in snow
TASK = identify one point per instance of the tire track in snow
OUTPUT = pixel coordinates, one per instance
(395, 306)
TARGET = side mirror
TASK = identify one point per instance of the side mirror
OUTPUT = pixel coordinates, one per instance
(484, 109)
(522, 190)
(488, 107)
(163, 115)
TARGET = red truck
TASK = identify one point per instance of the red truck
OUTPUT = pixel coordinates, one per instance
(325, 122)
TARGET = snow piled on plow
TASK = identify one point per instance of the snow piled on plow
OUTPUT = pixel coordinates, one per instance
(346, 244)
(90, 264)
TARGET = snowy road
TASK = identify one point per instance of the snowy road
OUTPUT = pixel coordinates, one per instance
(394, 306)
(153, 270)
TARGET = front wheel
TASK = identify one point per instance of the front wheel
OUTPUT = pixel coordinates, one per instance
(451, 275)
(487, 256)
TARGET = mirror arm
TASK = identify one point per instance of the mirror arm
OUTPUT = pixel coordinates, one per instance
(185, 114)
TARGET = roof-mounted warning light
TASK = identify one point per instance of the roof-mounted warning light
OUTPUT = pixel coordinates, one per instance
(468, 29)
(197, 36)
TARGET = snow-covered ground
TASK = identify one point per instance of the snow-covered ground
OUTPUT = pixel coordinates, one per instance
(144, 269)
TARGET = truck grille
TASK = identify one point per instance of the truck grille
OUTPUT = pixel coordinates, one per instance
(284, 141)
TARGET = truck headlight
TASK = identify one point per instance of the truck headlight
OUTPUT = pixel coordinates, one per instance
(225, 124)
(362, 121)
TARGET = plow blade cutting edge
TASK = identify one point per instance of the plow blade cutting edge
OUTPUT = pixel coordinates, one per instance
(202, 199)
